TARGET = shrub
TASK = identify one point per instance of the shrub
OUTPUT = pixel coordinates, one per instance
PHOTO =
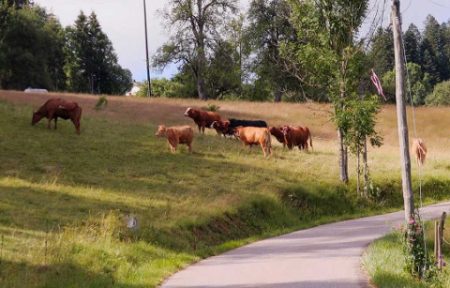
(211, 107)
(440, 95)
(102, 102)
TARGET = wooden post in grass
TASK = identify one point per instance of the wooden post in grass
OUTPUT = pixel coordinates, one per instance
(436, 239)
(440, 239)
(408, 198)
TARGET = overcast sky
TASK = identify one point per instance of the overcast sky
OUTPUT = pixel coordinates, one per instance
(123, 22)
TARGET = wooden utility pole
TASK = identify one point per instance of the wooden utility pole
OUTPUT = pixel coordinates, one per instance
(147, 61)
(408, 197)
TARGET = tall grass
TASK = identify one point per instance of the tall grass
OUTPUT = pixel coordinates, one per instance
(385, 262)
(66, 198)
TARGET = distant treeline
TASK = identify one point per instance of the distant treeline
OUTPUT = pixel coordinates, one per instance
(262, 54)
(36, 51)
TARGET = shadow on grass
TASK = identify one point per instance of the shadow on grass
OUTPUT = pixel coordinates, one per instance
(14, 274)
(42, 209)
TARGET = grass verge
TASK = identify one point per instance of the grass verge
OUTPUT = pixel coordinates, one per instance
(384, 261)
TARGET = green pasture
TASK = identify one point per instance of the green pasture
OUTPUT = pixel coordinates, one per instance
(65, 199)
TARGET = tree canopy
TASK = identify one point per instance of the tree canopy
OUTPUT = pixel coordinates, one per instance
(36, 51)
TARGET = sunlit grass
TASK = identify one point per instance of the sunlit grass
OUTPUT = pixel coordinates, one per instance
(75, 192)
(384, 262)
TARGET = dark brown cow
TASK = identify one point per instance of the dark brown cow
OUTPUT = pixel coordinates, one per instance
(297, 136)
(58, 108)
(255, 135)
(277, 132)
(222, 127)
(202, 118)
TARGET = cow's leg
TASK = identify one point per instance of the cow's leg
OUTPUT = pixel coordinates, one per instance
(56, 120)
(264, 148)
(173, 143)
(190, 147)
(199, 128)
(49, 122)
(76, 123)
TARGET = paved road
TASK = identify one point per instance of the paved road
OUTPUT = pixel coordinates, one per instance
(325, 256)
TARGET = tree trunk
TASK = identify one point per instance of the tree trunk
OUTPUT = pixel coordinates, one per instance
(201, 61)
(201, 88)
(366, 170)
(343, 158)
(278, 95)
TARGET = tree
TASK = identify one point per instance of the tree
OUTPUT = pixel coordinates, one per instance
(17, 4)
(224, 71)
(358, 120)
(268, 27)
(382, 51)
(31, 49)
(434, 50)
(440, 95)
(92, 65)
(326, 52)
(420, 84)
(412, 41)
(197, 24)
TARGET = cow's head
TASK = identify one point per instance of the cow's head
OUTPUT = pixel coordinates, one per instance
(237, 131)
(161, 131)
(190, 112)
(36, 118)
(215, 125)
(275, 130)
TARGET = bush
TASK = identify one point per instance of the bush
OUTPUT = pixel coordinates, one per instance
(440, 95)
(165, 88)
(102, 102)
(211, 107)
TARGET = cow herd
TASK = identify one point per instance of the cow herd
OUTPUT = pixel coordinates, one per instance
(249, 132)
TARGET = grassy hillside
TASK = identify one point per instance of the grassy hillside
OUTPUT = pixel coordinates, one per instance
(66, 198)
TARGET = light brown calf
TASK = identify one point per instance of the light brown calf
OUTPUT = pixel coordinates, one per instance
(255, 135)
(419, 149)
(176, 135)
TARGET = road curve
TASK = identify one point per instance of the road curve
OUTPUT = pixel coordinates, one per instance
(321, 257)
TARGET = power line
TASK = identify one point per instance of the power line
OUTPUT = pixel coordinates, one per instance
(439, 4)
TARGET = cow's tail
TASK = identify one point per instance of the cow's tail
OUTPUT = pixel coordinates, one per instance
(268, 142)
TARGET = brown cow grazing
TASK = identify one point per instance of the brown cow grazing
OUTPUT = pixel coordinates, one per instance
(420, 150)
(176, 135)
(57, 107)
(297, 136)
(277, 132)
(222, 127)
(255, 135)
(202, 118)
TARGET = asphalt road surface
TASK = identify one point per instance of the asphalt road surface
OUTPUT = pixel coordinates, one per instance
(327, 256)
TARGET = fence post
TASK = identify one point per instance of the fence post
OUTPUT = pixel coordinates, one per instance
(436, 239)
(440, 240)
